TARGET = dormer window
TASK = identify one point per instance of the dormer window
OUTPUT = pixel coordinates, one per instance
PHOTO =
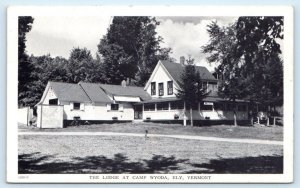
(153, 88)
(161, 89)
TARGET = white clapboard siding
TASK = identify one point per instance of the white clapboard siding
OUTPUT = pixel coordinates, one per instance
(108, 106)
(121, 107)
(82, 106)
(71, 105)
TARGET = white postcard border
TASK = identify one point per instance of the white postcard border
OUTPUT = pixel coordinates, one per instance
(78, 11)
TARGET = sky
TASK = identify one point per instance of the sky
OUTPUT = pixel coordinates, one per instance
(58, 35)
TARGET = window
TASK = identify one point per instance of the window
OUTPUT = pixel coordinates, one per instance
(212, 86)
(161, 89)
(230, 107)
(114, 106)
(153, 88)
(53, 101)
(176, 105)
(242, 107)
(204, 86)
(163, 106)
(219, 106)
(262, 108)
(149, 107)
(76, 106)
(170, 87)
(208, 106)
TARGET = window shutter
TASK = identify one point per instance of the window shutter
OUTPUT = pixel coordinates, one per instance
(121, 108)
(71, 105)
(108, 107)
(82, 106)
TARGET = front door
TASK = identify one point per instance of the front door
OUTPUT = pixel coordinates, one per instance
(138, 111)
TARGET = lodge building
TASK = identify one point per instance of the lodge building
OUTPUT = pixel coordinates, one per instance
(63, 103)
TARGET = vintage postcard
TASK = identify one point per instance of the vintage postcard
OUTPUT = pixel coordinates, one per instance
(150, 94)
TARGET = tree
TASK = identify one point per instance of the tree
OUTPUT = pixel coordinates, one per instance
(24, 67)
(257, 42)
(190, 91)
(80, 66)
(45, 68)
(113, 57)
(247, 54)
(259, 34)
(131, 48)
(222, 51)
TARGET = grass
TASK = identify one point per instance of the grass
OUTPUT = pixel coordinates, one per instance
(121, 154)
(224, 131)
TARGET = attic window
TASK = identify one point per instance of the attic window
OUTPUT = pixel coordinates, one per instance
(153, 89)
(161, 89)
(53, 101)
(76, 106)
(170, 87)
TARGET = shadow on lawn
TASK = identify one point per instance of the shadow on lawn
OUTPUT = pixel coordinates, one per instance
(36, 163)
(245, 165)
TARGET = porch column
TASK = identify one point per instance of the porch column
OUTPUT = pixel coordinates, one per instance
(206, 86)
(184, 116)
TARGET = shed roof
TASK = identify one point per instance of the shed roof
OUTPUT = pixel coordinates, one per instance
(126, 91)
(164, 99)
(176, 70)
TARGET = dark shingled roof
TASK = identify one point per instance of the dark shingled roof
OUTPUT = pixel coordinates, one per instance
(95, 92)
(126, 91)
(69, 92)
(176, 69)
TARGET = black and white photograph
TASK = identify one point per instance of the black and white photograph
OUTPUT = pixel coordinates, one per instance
(133, 96)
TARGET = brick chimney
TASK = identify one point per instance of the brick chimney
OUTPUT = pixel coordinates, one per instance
(182, 60)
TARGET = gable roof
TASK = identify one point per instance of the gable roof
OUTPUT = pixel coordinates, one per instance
(126, 91)
(94, 92)
(69, 92)
(176, 69)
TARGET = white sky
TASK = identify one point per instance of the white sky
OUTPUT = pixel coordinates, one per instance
(58, 35)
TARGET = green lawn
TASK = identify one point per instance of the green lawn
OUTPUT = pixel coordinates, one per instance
(123, 154)
(224, 131)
